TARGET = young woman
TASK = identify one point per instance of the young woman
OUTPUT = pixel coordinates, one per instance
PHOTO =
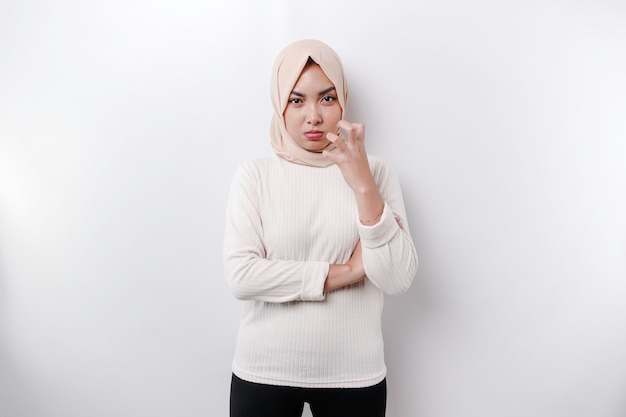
(315, 235)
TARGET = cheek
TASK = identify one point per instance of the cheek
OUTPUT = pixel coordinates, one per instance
(333, 114)
(294, 121)
(291, 118)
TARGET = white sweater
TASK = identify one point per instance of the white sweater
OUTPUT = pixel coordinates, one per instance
(286, 223)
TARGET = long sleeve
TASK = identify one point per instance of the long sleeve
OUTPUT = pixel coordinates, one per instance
(389, 255)
(250, 274)
(286, 224)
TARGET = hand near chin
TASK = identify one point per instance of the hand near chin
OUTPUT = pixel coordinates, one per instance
(350, 155)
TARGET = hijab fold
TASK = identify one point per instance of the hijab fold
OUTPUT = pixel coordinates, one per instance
(287, 69)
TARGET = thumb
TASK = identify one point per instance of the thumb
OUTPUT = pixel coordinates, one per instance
(330, 155)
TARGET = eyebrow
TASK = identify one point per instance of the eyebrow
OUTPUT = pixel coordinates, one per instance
(321, 93)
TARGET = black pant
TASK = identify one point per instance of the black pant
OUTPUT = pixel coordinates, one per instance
(248, 399)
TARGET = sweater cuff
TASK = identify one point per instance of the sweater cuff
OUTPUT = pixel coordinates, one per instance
(313, 281)
(380, 233)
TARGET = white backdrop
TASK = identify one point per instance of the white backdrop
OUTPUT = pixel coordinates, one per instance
(121, 123)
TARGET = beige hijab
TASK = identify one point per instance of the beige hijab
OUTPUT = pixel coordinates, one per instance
(287, 68)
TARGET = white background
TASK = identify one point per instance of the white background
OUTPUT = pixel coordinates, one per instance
(121, 123)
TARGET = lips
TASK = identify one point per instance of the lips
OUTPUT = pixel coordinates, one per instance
(314, 134)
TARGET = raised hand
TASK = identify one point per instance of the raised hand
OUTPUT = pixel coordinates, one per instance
(350, 155)
(351, 158)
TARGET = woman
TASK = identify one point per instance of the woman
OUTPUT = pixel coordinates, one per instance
(314, 236)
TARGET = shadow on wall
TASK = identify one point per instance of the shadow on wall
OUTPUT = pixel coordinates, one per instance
(16, 397)
(405, 317)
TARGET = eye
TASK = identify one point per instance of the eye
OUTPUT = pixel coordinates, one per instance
(295, 100)
(328, 99)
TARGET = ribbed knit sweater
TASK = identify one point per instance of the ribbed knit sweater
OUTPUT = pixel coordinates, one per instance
(286, 223)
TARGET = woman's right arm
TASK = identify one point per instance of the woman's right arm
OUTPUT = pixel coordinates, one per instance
(251, 276)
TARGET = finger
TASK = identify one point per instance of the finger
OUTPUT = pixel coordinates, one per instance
(331, 156)
(343, 124)
(355, 132)
(360, 131)
(337, 141)
(349, 130)
(333, 137)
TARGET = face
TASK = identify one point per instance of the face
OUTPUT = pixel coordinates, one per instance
(312, 110)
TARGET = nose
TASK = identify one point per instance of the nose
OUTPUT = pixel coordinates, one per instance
(313, 115)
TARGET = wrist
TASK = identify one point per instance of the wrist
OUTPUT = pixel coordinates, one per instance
(341, 275)
(374, 219)
(366, 188)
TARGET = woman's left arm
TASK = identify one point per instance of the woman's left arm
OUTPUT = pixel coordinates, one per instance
(389, 255)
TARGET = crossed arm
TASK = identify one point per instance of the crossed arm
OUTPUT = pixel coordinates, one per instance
(384, 254)
(351, 158)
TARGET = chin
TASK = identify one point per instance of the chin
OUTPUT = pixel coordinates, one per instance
(317, 146)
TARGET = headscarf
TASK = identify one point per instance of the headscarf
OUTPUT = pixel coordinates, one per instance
(287, 68)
